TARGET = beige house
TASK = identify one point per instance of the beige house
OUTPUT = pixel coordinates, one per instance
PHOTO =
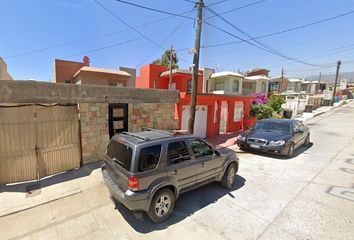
(4, 75)
(101, 76)
(82, 73)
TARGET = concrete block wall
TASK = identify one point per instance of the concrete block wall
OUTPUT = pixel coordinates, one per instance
(152, 115)
(94, 130)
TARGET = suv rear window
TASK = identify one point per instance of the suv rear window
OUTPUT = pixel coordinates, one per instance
(149, 158)
(120, 153)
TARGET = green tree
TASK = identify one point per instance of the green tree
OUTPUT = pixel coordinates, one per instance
(165, 59)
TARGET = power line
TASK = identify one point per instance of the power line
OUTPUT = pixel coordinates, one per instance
(117, 44)
(152, 53)
(103, 48)
(257, 46)
(318, 56)
(88, 39)
(153, 9)
(264, 46)
(236, 9)
(283, 31)
(128, 25)
(222, 1)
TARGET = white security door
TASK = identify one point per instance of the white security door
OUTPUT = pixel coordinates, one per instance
(201, 117)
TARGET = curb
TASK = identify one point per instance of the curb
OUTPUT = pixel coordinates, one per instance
(25, 207)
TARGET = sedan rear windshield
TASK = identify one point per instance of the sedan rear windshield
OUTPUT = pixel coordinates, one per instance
(273, 126)
(120, 153)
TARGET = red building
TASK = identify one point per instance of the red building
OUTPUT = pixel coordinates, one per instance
(215, 113)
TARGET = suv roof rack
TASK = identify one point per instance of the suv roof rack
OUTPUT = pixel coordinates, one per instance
(158, 131)
(137, 136)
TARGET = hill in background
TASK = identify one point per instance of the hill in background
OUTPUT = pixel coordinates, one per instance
(331, 77)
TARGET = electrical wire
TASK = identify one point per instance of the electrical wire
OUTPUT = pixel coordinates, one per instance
(262, 45)
(89, 38)
(118, 44)
(128, 25)
(163, 43)
(215, 3)
(283, 31)
(153, 9)
(238, 8)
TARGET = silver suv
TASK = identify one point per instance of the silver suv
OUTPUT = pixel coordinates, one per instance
(148, 170)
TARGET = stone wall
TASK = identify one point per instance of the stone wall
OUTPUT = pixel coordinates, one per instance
(152, 115)
(94, 124)
(94, 130)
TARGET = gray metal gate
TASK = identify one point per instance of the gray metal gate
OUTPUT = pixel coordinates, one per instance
(37, 141)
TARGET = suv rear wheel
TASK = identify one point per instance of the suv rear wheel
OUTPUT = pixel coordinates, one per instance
(229, 176)
(161, 206)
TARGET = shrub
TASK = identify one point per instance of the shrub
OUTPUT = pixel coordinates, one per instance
(261, 111)
(275, 101)
(261, 98)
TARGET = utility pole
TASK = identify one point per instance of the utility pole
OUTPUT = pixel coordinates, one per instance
(319, 83)
(171, 57)
(198, 31)
(280, 88)
(335, 82)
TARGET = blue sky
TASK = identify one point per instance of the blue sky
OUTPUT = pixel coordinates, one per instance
(37, 24)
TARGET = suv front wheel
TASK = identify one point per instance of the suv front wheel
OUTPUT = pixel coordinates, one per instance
(161, 206)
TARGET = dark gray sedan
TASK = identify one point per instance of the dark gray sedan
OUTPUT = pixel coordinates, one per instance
(280, 136)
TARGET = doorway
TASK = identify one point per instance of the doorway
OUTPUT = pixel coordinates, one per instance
(117, 118)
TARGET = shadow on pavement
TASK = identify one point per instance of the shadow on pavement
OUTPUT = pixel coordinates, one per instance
(83, 171)
(297, 152)
(186, 205)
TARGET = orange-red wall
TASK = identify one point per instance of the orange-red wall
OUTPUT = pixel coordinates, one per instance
(151, 72)
(148, 74)
(209, 100)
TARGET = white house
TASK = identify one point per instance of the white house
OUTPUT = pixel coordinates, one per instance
(229, 83)
(233, 83)
(255, 84)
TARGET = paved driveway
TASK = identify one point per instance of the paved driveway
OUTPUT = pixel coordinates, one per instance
(309, 196)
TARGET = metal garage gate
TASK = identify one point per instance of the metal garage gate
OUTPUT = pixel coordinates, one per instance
(37, 141)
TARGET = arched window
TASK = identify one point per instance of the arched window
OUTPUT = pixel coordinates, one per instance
(264, 87)
(235, 86)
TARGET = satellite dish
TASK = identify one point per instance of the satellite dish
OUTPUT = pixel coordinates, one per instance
(86, 60)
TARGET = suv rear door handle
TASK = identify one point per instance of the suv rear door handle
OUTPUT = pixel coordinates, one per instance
(202, 164)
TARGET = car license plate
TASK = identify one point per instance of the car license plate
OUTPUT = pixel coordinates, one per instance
(254, 146)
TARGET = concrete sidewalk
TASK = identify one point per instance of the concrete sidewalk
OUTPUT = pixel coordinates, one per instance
(22, 196)
(321, 110)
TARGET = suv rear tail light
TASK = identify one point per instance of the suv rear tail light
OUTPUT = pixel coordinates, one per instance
(133, 183)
